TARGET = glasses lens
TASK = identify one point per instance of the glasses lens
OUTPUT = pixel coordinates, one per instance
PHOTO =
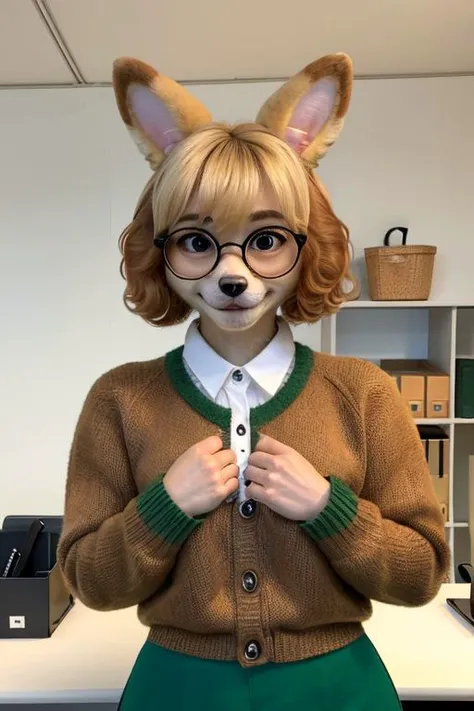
(272, 252)
(190, 253)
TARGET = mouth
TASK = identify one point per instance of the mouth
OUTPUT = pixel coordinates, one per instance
(234, 307)
(229, 307)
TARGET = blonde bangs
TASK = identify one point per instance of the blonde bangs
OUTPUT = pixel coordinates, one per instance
(225, 168)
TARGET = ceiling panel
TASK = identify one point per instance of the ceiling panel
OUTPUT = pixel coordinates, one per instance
(213, 39)
(27, 53)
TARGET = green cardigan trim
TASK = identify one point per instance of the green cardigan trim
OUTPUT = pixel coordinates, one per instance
(162, 516)
(338, 514)
(288, 393)
(184, 386)
(221, 416)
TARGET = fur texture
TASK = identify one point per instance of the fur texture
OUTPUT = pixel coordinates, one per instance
(277, 111)
(187, 113)
(331, 74)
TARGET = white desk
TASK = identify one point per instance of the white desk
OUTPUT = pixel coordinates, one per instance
(429, 652)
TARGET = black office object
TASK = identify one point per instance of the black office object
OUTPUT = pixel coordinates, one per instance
(465, 607)
(26, 552)
(12, 563)
(436, 435)
(32, 605)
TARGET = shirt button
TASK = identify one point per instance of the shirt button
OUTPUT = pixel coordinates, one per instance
(248, 508)
(252, 651)
(238, 376)
(241, 430)
(249, 581)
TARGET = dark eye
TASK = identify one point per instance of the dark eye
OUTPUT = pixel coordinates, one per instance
(199, 243)
(195, 242)
(267, 240)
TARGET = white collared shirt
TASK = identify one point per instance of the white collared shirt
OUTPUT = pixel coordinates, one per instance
(240, 388)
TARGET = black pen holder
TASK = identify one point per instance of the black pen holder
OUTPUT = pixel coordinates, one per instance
(33, 605)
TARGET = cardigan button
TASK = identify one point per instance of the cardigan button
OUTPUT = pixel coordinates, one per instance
(248, 508)
(249, 581)
(252, 651)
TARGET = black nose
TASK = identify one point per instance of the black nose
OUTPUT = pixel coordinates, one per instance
(233, 286)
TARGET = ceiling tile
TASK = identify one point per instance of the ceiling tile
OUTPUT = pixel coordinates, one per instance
(28, 55)
(211, 39)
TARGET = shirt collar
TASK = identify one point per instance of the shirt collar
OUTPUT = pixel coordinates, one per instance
(209, 368)
(268, 369)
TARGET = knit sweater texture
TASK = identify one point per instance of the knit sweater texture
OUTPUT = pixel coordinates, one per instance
(125, 542)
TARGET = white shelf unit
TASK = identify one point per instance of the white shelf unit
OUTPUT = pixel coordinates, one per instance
(437, 331)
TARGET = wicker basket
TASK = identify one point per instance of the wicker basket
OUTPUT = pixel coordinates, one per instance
(401, 273)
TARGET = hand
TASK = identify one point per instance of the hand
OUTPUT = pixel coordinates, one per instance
(285, 481)
(202, 477)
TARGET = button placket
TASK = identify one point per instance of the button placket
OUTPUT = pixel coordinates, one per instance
(248, 508)
(251, 644)
(249, 581)
(236, 389)
(252, 651)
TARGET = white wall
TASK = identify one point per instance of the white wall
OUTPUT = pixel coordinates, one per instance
(69, 180)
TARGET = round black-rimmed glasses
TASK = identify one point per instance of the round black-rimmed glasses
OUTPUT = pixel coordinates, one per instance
(269, 252)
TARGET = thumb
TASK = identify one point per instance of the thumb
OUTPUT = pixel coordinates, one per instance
(211, 445)
(270, 446)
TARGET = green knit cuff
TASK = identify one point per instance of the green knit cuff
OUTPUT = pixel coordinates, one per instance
(339, 512)
(162, 516)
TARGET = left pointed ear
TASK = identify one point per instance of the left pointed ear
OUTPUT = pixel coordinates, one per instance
(308, 110)
(158, 111)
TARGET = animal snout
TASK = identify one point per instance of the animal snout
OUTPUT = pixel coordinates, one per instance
(233, 286)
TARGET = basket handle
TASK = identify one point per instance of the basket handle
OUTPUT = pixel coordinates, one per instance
(403, 230)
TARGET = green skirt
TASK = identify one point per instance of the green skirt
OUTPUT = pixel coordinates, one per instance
(349, 679)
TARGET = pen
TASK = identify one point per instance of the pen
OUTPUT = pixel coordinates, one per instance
(12, 563)
(31, 538)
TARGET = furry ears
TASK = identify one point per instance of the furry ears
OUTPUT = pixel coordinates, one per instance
(307, 111)
(158, 111)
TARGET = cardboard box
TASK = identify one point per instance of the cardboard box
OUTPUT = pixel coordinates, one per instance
(445, 513)
(412, 389)
(395, 379)
(437, 394)
(436, 444)
(441, 487)
(424, 387)
(32, 606)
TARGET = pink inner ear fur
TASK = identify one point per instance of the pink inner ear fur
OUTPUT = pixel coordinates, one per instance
(311, 113)
(153, 118)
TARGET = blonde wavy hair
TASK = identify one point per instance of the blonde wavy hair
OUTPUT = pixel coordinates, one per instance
(225, 167)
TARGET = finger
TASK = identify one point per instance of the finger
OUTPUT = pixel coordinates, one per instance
(256, 475)
(231, 486)
(257, 492)
(225, 457)
(270, 446)
(231, 471)
(262, 460)
(211, 445)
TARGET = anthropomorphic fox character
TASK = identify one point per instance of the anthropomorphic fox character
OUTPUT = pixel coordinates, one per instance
(250, 496)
